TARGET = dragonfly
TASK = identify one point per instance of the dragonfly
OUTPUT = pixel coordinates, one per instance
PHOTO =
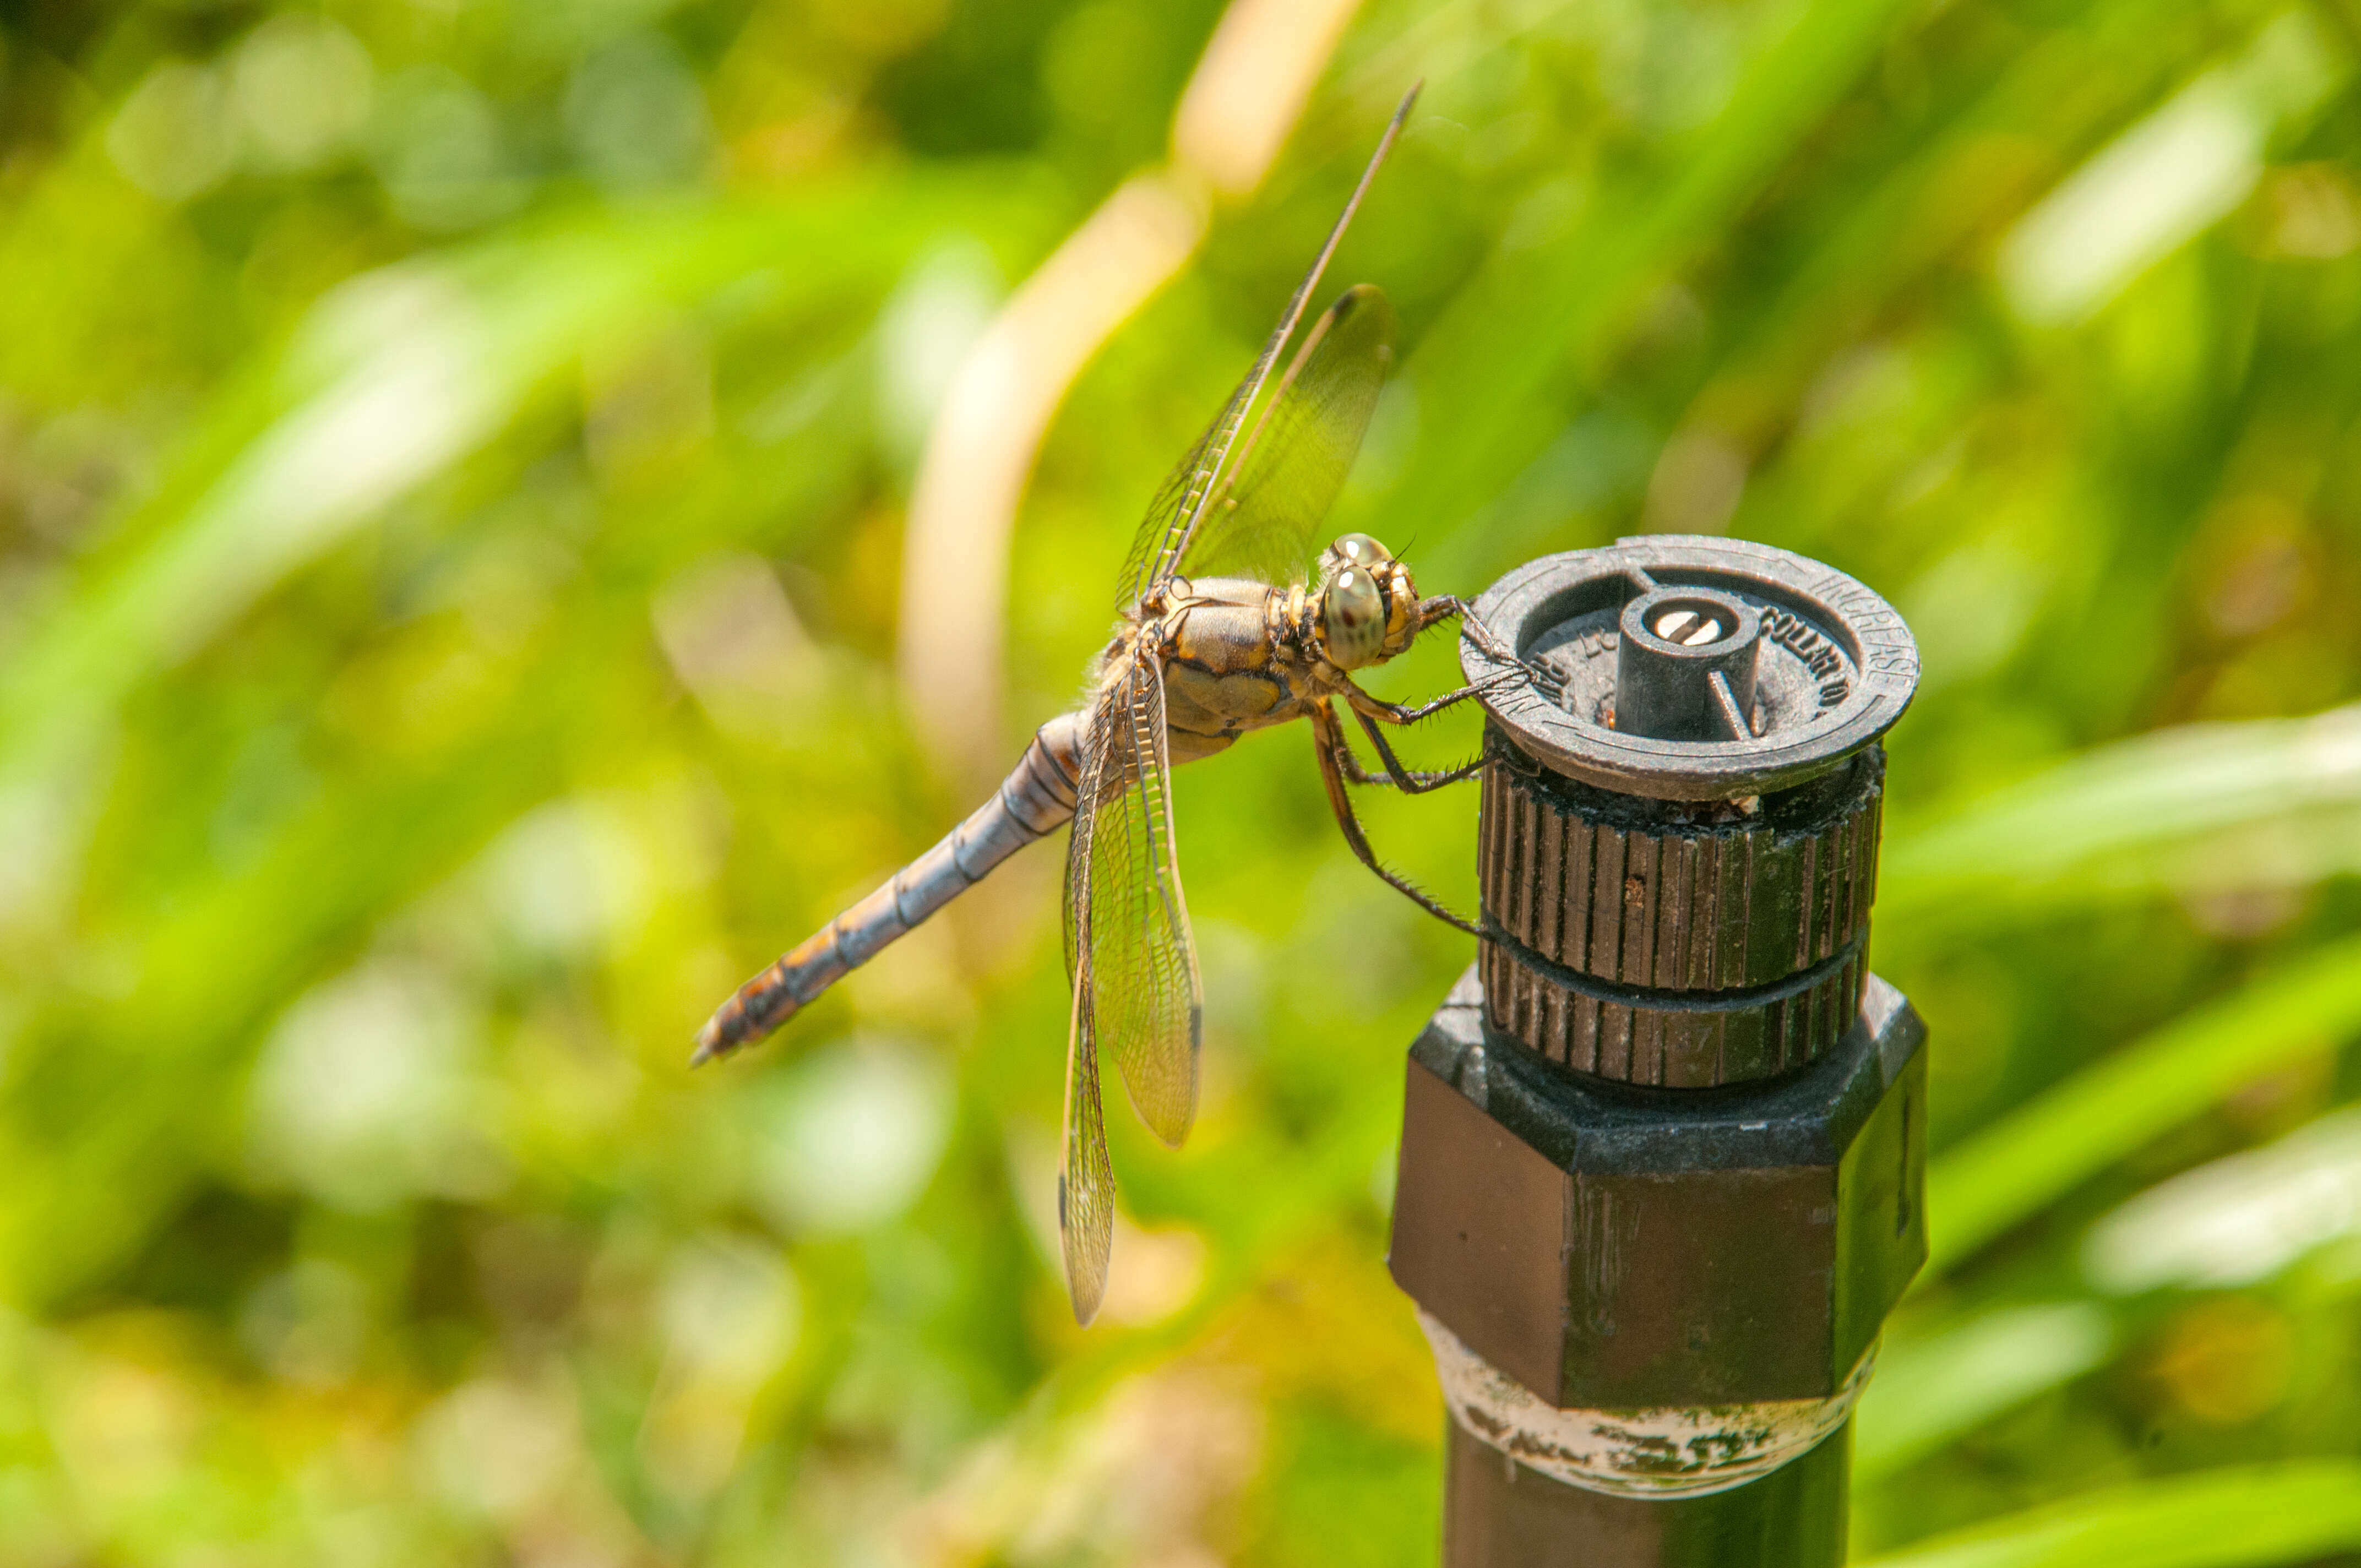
(1227, 624)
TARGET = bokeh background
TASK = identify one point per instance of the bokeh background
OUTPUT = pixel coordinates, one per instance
(512, 512)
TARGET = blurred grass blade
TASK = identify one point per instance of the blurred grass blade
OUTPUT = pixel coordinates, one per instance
(2238, 1220)
(2168, 179)
(1929, 1389)
(2219, 1518)
(2270, 802)
(404, 372)
(2064, 91)
(2013, 1169)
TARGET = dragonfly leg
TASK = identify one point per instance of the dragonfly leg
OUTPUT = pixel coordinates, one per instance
(1443, 606)
(1409, 781)
(1329, 743)
(1350, 765)
(1395, 713)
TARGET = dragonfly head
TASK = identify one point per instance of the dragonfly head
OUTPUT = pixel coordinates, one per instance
(1368, 606)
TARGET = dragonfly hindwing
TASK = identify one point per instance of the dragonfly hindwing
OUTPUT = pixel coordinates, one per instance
(1136, 991)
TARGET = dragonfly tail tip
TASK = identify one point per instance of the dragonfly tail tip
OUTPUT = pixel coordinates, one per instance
(711, 1042)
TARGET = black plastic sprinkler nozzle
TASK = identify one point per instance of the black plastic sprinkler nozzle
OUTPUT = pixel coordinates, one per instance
(1663, 1145)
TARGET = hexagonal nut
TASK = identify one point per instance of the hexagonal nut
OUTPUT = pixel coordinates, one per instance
(1612, 1246)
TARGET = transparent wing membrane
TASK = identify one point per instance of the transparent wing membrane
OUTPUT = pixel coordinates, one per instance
(1294, 460)
(1136, 995)
(1085, 1180)
(1158, 549)
(1148, 999)
(1167, 521)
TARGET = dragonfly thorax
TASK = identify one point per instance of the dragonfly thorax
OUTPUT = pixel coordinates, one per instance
(1367, 604)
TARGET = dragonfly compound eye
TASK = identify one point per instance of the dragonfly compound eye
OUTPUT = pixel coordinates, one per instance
(1353, 618)
(1358, 550)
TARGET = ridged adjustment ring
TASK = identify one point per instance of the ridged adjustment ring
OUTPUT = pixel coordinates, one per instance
(1675, 944)
(1669, 1039)
(1628, 892)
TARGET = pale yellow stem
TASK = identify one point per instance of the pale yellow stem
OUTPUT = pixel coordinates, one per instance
(980, 448)
(1247, 90)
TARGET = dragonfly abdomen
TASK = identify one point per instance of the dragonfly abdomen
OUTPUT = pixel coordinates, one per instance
(1034, 800)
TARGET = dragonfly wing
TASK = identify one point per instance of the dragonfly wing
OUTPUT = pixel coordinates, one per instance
(1165, 527)
(1158, 548)
(1127, 919)
(1136, 993)
(1295, 458)
(1085, 1180)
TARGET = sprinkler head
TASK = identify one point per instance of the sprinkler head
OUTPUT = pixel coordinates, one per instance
(1694, 667)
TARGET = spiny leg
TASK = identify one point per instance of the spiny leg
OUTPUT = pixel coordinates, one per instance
(1430, 611)
(1350, 766)
(1329, 741)
(1410, 780)
(1395, 713)
(1443, 607)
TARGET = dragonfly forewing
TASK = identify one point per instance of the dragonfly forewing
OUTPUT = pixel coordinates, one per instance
(1293, 460)
(1250, 649)
(1164, 537)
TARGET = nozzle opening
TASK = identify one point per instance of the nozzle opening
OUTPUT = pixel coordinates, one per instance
(1685, 665)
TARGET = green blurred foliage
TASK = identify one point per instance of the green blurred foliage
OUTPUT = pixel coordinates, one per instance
(452, 463)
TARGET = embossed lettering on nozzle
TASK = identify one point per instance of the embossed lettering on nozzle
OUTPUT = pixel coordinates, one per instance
(1695, 667)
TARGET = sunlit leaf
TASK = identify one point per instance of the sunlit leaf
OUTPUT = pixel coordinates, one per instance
(2008, 1171)
(2222, 1518)
(397, 376)
(2267, 803)
(1568, 298)
(1930, 1389)
(2237, 1219)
